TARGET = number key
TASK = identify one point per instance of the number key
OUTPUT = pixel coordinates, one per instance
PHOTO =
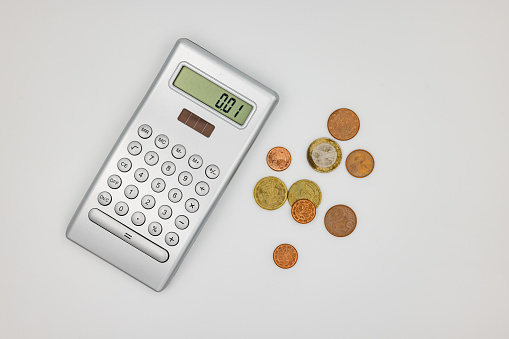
(158, 185)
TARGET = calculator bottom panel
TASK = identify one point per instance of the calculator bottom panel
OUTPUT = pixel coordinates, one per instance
(122, 254)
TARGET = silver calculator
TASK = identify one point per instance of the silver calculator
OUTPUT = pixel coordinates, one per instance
(171, 164)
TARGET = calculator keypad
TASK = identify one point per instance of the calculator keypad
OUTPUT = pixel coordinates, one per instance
(162, 192)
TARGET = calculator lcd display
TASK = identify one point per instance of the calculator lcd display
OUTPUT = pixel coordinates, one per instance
(213, 95)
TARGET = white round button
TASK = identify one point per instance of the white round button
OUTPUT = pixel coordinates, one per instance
(178, 151)
(168, 168)
(174, 195)
(202, 188)
(134, 148)
(141, 175)
(151, 158)
(158, 185)
(195, 161)
(145, 131)
(148, 201)
(124, 165)
(114, 181)
(185, 178)
(192, 205)
(161, 141)
(155, 228)
(172, 238)
(164, 212)
(131, 191)
(121, 208)
(104, 198)
(181, 222)
(212, 171)
(138, 218)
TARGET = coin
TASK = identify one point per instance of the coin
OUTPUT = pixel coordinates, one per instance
(360, 163)
(285, 256)
(340, 220)
(343, 124)
(270, 193)
(303, 211)
(305, 189)
(279, 158)
(324, 155)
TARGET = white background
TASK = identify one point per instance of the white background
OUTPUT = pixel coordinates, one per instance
(429, 257)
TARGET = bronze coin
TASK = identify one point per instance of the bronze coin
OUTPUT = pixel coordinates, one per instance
(360, 163)
(343, 124)
(279, 158)
(303, 211)
(340, 220)
(285, 256)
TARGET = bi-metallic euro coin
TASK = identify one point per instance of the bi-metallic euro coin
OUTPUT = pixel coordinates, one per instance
(324, 155)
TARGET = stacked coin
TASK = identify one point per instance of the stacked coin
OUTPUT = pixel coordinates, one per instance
(323, 155)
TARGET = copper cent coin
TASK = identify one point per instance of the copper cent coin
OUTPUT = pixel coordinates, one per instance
(340, 220)
(285, 256)
(279, 158)
(360, 163)
(303, 211)
(343, 124)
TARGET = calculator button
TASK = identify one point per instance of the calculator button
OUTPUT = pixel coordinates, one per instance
(202, 188)
(185, 178)
(161, 141)
(192, 205)
(138, 218)
(114, 181)
(141, 175)
(164, 212)
(151, 158)
(158, 185)
(174, 195)
(212, 171)
(181, 222)
(134, 148)
(121, 208)
(168, 168)
(145, 131)
(172, 238)
(128, 235)
(124, 165)
(131, 191)
(195, 161)
(148, 202)
(155, 228)
(104, 198)
(178, 151)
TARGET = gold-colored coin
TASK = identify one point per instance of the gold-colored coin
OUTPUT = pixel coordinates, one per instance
(343, 124)
(303, 211)
(324, 155)
(360, 163)
(270, 193)
(285, 256)
(305, 189)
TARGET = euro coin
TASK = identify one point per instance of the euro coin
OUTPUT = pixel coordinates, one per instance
(343, 124)
(305, 189)
(340, 220)
(360, 163)
(285, 256)
(270, 193)
(279, 158)
(303, 211)
(324, 155)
